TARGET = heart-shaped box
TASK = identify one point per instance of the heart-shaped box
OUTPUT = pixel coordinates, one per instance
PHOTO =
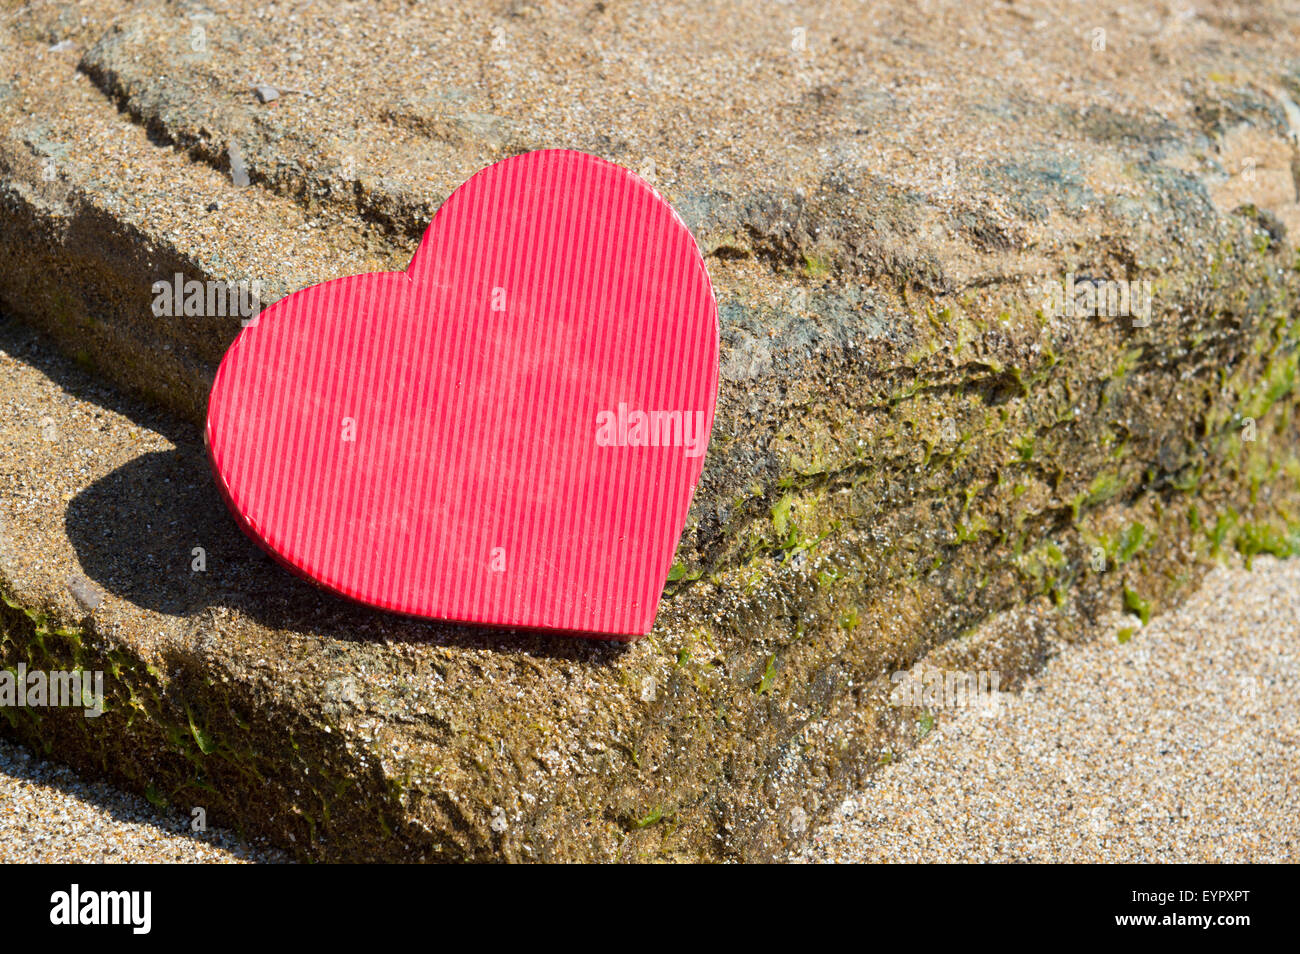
(507, 433)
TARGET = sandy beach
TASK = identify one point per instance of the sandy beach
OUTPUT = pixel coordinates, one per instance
(1178, 745)
(48, 815)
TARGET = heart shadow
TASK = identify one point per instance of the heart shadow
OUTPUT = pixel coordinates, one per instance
(134, 530)
(155, 532)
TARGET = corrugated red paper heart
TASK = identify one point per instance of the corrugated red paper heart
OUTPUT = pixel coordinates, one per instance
(510, 431)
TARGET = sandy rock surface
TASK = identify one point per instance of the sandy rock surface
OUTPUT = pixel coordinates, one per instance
(916, 457)
(1176, 745)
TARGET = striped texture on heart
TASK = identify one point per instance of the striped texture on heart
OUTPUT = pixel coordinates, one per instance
(460, 441)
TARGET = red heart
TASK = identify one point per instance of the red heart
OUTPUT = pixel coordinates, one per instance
(510, 431)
